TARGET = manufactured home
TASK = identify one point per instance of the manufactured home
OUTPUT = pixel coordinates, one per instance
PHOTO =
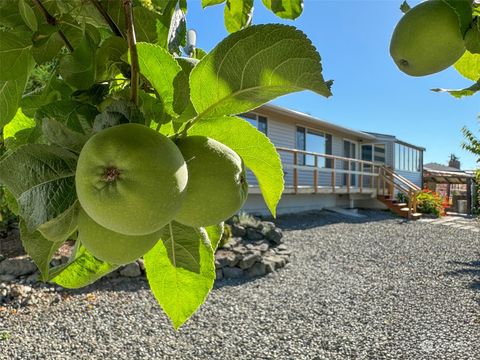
(327, 165)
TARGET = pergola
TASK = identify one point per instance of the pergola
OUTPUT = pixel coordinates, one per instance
(432, 177)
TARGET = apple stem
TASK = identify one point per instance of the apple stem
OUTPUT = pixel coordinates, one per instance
(132, 46)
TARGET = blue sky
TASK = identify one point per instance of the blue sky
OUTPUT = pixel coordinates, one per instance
(369, 92)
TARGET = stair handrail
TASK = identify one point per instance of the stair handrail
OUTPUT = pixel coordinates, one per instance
(401, 178)
(405, 186)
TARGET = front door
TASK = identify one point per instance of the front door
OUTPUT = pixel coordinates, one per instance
(350, 151)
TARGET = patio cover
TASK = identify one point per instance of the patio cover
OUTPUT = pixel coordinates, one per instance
(441, 174)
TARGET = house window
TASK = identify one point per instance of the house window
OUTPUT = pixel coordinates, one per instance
(260, 122)
(407, 158)
(375, 153)
(313, 141)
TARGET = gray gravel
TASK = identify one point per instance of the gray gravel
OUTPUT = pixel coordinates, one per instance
(355, 289)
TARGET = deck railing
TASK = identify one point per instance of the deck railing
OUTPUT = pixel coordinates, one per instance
(371, 175)
(366, 171)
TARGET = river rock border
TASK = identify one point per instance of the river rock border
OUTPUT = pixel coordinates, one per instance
(254, 250)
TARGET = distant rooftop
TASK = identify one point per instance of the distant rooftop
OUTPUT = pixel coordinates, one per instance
(439, 167)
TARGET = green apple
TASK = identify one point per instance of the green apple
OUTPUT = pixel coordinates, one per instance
(131, 179)
(217, 185)
(472, 38)
(427, 39)
(110, 246)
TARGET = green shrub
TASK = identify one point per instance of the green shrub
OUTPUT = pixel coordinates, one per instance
(430, 202)
(246, 220)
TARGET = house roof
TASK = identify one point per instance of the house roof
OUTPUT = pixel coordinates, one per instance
(440, 167)
(442, 174)
(397, 140)
(318, 122)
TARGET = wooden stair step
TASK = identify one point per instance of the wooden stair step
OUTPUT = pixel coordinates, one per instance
(401, 205)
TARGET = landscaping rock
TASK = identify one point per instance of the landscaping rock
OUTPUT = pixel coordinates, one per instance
(7, 277)
(31, 279)
(258, 269)
(253, 234)
(226, 258)
(238, 230)
(232, 273)
(274, 235)
(249, 260)
(219, 274)
(141, 263)
(277, 260)
(17, 267)
(131, 270)
(269, 265)
(254, 241)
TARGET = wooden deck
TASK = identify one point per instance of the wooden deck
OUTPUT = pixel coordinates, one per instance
(357, 177)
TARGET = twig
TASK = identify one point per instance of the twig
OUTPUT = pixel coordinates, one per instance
(52, 21)
(107, 18)
(132, 46)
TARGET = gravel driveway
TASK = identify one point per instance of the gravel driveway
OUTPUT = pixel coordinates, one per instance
(379, 288)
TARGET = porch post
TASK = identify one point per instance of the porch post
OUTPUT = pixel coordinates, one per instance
(469, 196)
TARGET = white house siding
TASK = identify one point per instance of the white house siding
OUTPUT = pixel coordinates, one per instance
(291, 203)
(282, 133)
(415, 177)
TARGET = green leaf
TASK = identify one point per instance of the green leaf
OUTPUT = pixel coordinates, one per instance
(56, 89)
(40, 249)
(84, 270)
(118, 112)
(286, 9)
(109, 57)
(19, 131)
(27, 15)
(469, 66)
(47, 43)
(238, 14)
(177, 32)
(10, 14)
(472, 37)
(199, 54)
(66, 123)
(10, 201)
(206, 3)
(151, 58)
(256, 150)
(76, 116)
(64, 225)
(145, 24)
(16, 56)
(181, 101)
(215, 233)
(42, 181)
(463, 8)
(459, 93)
(163, 24)
(78, 68)
(181, 271)
(10, 95)
(254, 66)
